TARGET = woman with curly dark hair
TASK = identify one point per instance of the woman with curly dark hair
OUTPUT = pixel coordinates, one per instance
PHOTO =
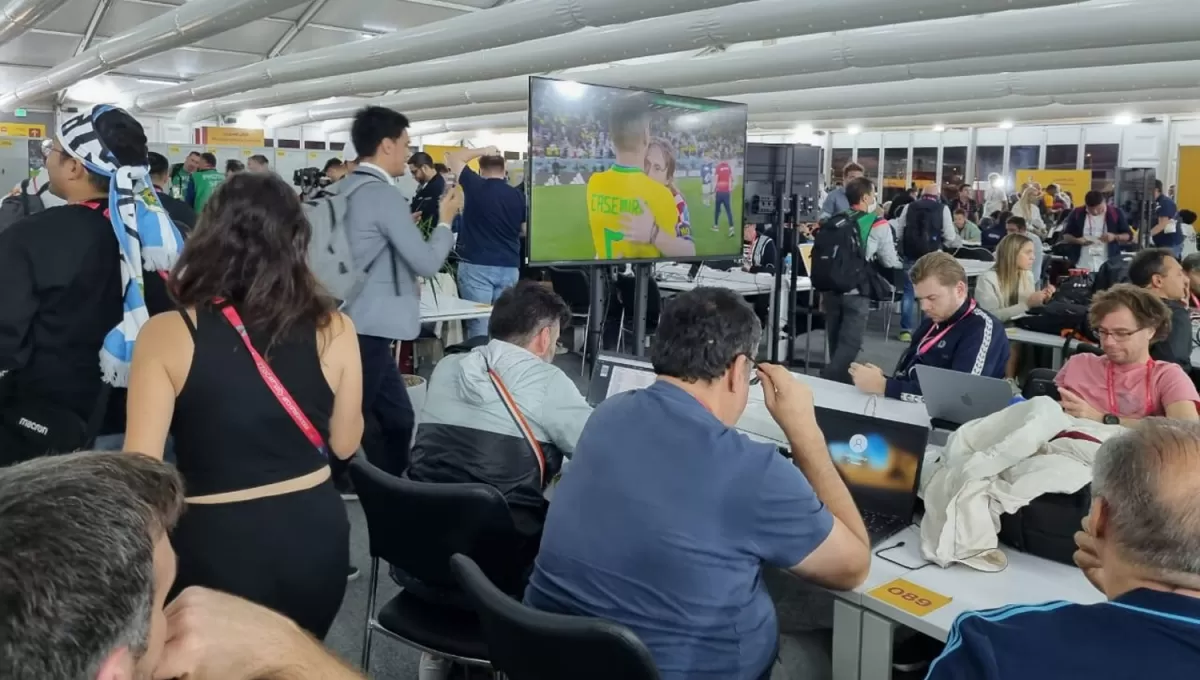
(258, 378)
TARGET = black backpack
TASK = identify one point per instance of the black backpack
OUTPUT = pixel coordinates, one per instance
(1046, 527)
(922, 229)
(1068, 320)
(1075, 289)
(18, 206)
(839, 261)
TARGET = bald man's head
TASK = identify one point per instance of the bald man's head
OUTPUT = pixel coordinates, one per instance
(1147, 481)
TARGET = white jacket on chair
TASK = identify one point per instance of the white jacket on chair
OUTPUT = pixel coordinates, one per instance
(997, 465)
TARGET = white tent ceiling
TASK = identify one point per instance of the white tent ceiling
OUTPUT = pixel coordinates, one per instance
(882, 67)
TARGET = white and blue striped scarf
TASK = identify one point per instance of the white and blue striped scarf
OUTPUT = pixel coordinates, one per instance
(148, 239)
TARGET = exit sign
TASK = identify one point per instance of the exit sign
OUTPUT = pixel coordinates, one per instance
(20, 113)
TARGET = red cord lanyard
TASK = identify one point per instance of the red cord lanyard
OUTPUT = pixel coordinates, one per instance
(1195, 302)
(928, 343)
(281, 394)
(1112, 389)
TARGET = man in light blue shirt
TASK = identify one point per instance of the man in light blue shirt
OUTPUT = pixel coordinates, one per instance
(836, 201)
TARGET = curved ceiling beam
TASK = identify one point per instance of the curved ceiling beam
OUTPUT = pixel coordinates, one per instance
(19, 16)
(517, 89)
(463, 34)
(193, 21)
(762, 20)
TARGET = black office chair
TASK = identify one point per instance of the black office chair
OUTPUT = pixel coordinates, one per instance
(977, 253)
(416, 527)
(526, 644)
(575, 288)
(627, 294)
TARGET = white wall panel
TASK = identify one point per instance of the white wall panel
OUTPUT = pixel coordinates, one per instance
(1141, 146)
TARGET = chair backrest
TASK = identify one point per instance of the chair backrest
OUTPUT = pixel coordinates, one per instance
(572, 286)
(526, 644)
(417, 526)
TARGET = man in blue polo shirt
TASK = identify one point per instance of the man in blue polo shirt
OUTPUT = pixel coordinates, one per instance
(1165, 232)
(489, 239)
(1141, 547)
(668, 514)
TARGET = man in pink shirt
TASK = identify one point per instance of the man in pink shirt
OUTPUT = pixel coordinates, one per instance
(1126, 385)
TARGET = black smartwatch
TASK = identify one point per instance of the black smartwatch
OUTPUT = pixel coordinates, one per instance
(1110, 419)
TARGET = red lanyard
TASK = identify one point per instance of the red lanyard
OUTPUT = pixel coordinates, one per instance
(1112, 389)
(1195, 302)
(281, 394)
(928, 343)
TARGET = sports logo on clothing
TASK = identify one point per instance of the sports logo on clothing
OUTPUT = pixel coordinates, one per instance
(35, 427)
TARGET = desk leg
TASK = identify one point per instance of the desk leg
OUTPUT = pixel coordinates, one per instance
(847, 640)
(1057, 358)
(876, 659)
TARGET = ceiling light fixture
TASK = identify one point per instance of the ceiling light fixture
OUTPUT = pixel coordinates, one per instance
(1006, 125)
(938, 127)
(1123, 119)
(854, 129)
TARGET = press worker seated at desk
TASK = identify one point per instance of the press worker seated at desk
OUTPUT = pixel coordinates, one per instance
(1157, 271)
(467, 434)
(1140, 546)
(957, 334)
(1126, 384)
(669, 514)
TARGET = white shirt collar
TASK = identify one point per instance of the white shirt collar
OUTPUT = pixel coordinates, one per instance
(390, 180)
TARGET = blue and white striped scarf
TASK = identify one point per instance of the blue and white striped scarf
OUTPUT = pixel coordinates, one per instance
(148, 239)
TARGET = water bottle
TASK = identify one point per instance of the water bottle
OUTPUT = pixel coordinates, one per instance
(787, 265)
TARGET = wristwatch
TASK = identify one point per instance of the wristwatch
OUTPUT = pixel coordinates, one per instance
(1110, 419)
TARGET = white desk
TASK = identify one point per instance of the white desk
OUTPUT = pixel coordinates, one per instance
(674, 277)
(1027, 580)
(443, 307)
(759, 424)
(1196, 357)
(1054, 342)
(975, 267)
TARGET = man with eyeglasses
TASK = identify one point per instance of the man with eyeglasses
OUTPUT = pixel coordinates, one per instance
(1126, 385)
(668, 514)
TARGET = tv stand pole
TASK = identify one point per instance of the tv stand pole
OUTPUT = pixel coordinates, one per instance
(641, 302)
(598, 279)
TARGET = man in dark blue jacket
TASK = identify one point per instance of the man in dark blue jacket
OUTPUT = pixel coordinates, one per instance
(1097, 230)
(1138, 547)
(956, 334)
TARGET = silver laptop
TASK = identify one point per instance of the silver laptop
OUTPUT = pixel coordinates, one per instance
(956, 398)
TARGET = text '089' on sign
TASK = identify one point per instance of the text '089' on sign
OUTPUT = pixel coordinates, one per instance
(910, 597)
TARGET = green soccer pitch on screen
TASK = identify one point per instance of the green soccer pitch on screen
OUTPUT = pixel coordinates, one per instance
(629, 175)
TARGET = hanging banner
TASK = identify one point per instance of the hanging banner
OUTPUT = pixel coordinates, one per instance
(229, 136)
(22, 130)
(1074, 182)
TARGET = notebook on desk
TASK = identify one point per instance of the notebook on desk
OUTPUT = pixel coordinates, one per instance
(880, 461)
(616, 373)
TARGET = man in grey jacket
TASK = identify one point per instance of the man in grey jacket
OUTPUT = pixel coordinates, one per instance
(467, 434)
(385, 241)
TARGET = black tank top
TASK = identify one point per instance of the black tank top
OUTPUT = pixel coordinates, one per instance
(231, 433)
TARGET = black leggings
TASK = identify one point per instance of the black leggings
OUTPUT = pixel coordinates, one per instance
(289, 553)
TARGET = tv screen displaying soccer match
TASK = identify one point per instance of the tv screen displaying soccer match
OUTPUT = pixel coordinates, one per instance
(629, 175)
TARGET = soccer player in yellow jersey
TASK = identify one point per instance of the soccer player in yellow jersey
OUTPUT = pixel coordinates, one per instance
(619, 196)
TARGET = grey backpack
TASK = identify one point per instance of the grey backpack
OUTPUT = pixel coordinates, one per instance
(18, 206)
(329, 254)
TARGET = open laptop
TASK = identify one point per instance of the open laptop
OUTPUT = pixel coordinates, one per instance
(880, 461)
(616, 373)
(953, 398)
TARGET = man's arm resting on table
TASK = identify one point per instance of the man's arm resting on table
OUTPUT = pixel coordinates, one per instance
(1180, 410)
(843, 559)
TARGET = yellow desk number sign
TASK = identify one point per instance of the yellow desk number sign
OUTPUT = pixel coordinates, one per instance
(910, 597)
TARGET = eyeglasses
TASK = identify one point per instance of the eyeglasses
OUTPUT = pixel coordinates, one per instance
(1119, 334)
(752, 368)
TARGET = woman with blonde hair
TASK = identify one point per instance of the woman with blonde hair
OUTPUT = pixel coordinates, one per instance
(1008, 290)
(1027, 208)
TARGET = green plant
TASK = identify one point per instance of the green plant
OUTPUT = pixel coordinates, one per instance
(427, 225)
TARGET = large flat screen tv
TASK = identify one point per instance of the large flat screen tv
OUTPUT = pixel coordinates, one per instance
(629, 175)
